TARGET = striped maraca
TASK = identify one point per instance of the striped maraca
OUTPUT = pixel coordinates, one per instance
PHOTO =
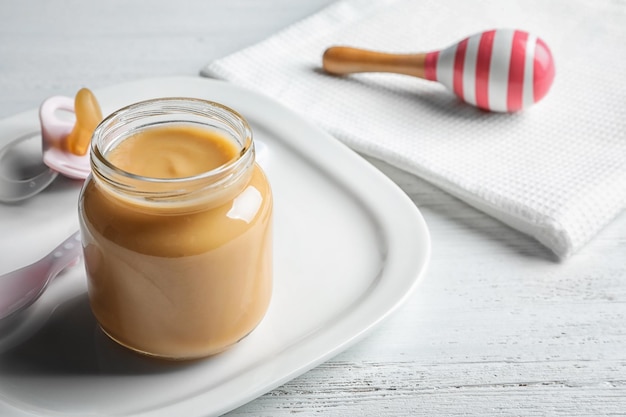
(500, 70)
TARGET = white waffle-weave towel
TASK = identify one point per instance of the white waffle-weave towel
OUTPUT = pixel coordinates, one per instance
(556, 171)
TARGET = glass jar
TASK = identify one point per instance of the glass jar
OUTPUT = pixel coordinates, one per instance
(178, 268)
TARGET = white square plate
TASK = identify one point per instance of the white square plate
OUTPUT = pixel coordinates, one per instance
(350, 247)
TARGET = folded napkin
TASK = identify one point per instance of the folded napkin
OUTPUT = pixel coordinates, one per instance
(556, 171)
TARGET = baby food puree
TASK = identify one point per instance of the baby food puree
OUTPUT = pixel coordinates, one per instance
(176, 226)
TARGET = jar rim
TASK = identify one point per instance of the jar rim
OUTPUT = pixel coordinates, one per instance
(212, 186)
(122, 114)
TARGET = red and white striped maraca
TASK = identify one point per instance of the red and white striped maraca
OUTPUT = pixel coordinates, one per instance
(501, 70)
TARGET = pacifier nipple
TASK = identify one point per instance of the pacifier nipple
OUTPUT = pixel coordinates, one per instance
(88, 116)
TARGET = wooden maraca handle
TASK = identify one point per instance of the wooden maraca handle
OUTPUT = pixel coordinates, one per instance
(342, 60)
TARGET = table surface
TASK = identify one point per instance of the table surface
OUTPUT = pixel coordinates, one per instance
(497, 327)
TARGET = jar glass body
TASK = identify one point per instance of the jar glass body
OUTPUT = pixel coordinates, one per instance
(178, 268)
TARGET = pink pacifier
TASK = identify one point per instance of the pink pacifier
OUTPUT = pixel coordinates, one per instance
(65, 145)
(54, 132)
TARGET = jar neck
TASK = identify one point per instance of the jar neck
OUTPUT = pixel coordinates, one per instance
(205, 190)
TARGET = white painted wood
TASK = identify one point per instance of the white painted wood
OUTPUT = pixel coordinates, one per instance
(497, 328)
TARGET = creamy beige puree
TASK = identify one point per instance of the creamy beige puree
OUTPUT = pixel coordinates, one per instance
(186, 281)
(153, 153)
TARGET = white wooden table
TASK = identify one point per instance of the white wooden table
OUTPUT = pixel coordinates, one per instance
(498, 327)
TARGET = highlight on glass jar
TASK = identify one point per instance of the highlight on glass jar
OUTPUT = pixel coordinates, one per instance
(176, 223)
